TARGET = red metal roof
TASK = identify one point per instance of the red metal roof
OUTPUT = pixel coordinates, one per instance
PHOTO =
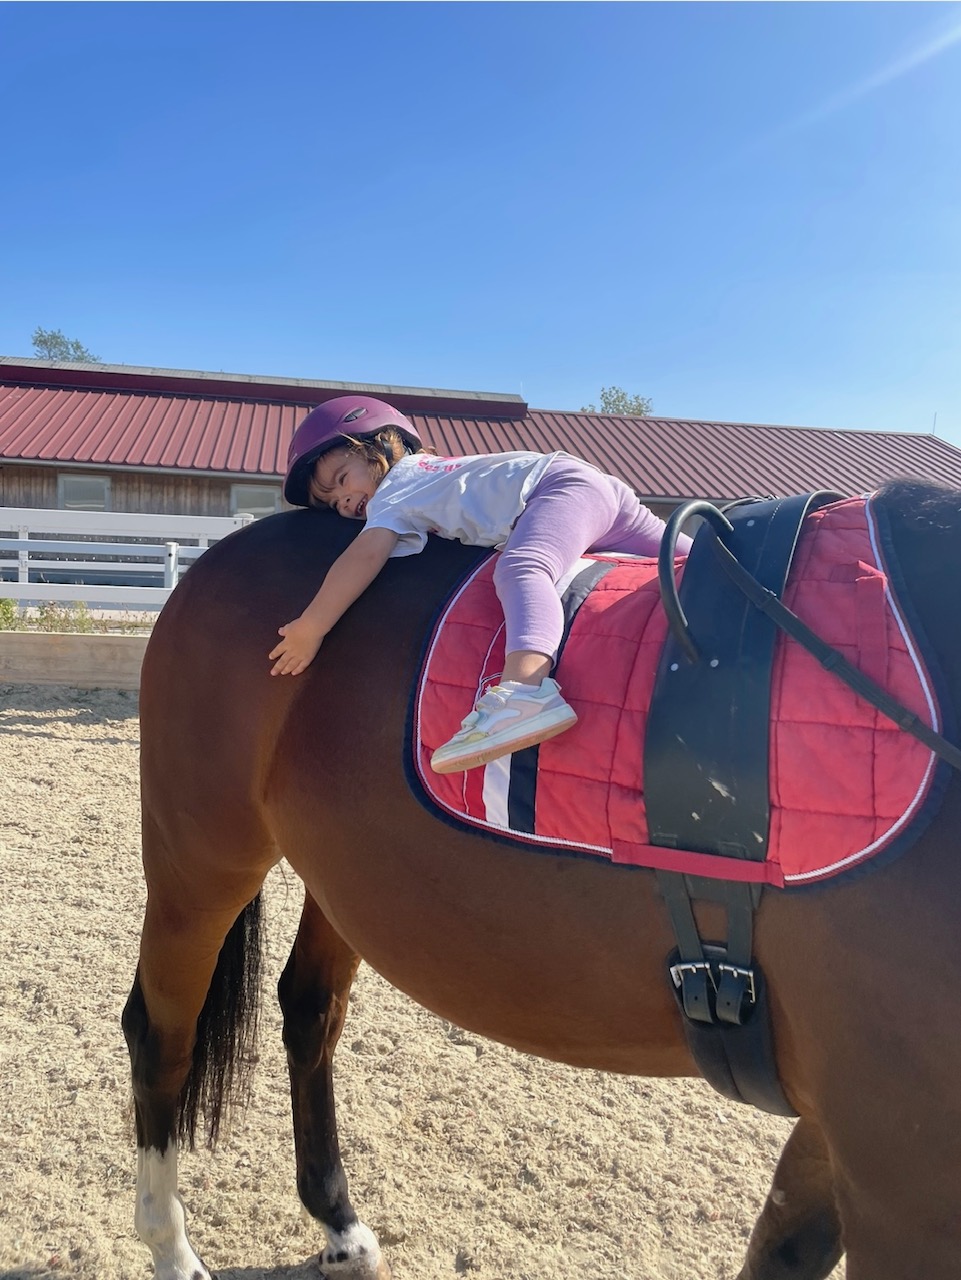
(246, 387)
(197, 430)
(680, 458)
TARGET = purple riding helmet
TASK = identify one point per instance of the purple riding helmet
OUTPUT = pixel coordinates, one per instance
(326, 426)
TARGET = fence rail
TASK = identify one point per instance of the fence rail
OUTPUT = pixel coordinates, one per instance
(111, 559)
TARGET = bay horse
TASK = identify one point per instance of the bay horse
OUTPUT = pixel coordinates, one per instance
(562, 958)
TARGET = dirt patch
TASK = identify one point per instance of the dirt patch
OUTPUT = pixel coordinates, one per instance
(464, 1157)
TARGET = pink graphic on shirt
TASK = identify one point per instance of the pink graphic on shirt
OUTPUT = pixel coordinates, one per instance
(438, 465)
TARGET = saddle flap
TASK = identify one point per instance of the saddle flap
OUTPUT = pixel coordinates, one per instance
(706, 746)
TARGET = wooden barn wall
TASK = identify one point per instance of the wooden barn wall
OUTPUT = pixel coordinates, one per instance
(27, 486)
(22, 486)
(173, 495)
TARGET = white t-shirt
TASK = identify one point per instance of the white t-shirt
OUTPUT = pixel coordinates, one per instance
(473, 500)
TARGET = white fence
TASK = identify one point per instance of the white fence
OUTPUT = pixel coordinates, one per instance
(107, 559)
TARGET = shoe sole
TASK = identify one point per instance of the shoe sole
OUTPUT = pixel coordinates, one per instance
(484, 755)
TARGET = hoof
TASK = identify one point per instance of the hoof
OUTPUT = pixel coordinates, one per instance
(353, 1254)
(180, 1264)
(180, 1269)
(360, 1269)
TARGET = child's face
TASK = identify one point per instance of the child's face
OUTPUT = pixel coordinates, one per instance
(344, 481)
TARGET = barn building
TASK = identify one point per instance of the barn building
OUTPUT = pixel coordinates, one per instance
(121, 438)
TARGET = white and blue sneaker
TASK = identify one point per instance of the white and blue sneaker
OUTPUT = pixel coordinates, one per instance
(509, 717)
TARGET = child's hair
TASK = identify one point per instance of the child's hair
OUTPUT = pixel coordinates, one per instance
(380, 451)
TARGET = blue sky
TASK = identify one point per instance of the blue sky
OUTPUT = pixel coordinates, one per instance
(748, 212)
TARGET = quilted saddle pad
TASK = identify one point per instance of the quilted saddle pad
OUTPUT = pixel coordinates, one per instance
(845, 782)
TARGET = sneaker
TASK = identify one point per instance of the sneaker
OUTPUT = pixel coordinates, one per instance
(507, 718)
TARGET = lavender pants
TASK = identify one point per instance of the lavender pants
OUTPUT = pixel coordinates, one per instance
(572, 509)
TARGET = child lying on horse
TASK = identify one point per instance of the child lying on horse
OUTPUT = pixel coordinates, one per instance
(363, 459)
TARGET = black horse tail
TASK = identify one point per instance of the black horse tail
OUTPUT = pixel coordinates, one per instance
(224, 1052)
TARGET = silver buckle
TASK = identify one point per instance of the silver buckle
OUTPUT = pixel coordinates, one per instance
(678, 971)
(738, 972)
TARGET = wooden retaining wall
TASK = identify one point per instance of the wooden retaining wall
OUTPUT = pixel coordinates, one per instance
(83, 661)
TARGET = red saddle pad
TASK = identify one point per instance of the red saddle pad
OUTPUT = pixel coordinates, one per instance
(845, 782)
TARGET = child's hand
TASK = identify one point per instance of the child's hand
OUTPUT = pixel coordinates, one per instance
(297, 650)
(350, 574)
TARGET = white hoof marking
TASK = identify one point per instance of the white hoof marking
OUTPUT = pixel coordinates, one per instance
(357, 1244)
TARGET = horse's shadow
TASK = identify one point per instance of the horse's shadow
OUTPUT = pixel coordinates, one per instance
(26, 712)
(32, 1273)
(309, 1270)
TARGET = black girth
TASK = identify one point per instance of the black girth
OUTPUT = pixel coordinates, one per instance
(706, 778)
(706, 765)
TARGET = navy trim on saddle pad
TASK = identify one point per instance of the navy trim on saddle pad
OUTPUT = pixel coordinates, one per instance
(522, 790)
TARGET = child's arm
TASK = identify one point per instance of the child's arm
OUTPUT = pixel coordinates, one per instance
(348, 577)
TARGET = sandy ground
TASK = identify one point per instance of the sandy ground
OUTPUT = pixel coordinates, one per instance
(464, 1157)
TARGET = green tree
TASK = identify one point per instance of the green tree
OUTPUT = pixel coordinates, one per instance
(616, 400)
(50, 344)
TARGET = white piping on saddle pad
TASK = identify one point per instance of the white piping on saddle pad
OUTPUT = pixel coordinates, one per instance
(496, 780)
(497, 774)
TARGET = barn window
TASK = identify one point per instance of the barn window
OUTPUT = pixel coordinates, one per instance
(83, 493)
(254, 499)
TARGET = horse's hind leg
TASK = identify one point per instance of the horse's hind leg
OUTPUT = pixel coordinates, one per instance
(798, 1235)
(314, 990)
(193, 997)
